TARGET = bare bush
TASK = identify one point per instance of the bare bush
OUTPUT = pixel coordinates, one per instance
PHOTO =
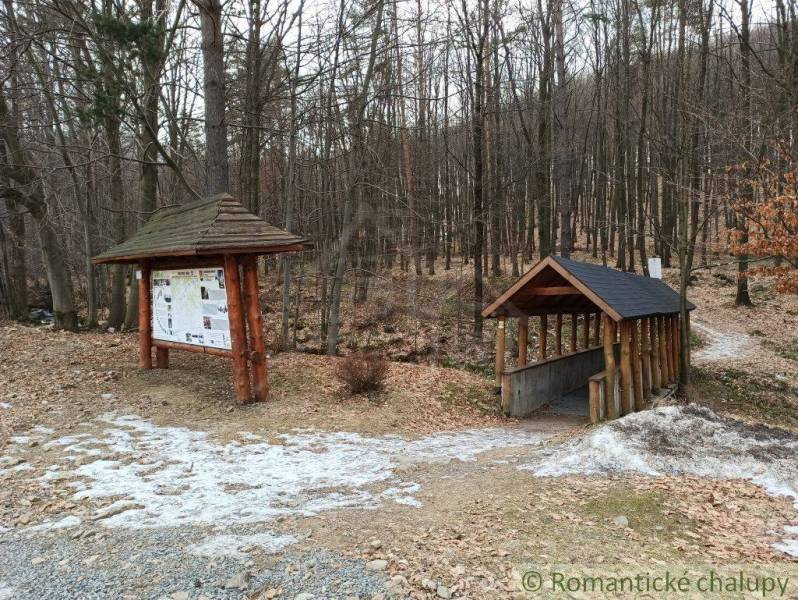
(363, 372)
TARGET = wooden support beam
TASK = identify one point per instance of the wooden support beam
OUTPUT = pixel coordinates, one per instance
(554, 290)
(677, 346)
(627, 400)
(544, 334)
(597, 330)
(656, 361)
(192, 348)
(558, 336)
(665, 350)
(500, 330)
(523, 338)
(594, 385)
(574, 333)
(586, 330)
(637, 376)
(609, 366)
(689, 349)
(145, 316)
(645, 355)
(257, 345)
(238, 336)
(161, 357)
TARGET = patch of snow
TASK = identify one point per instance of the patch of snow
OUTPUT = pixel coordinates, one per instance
(722, 345)
(20, 439)
(235, 546)
(182, 476)
(6, 405)
(68, 521)
(6, 592)
(676, 440)
(404, 494)
(23, 467)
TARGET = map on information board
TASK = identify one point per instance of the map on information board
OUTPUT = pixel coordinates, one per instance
(190, 306)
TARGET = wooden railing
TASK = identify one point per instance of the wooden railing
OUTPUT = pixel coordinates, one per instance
(597, 395)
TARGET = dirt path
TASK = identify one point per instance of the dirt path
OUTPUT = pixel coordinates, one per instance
(719, 346)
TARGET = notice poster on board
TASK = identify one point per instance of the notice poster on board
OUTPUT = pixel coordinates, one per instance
(190, 306)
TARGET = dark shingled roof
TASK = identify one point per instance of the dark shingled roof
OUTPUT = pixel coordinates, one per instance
(623, 295)
(631, 295)
(217, 225)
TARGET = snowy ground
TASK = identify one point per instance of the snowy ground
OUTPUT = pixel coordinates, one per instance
(169, 476)
(186, 513)
(675, 440)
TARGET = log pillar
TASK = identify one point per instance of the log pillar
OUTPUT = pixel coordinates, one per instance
(238, 339)
(558, 336)
(689, 349)
(597, 330)
(574, 332)
(656, 364)
(664, 350)
(162, 358)
(500, 329)
(677, 346)
(523, 337)
(257, 345)
(627, 400)
(645, 355)
(609, 366)
(586, 330)
(637, 375)
(544, 330)
(145, 316)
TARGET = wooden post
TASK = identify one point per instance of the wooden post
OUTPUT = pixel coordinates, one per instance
(663, 350)
(645, 355)
(145, 316)
(162, 358)
(586, 330)
(637, 376)
(597, 330)
(656, 364)
(677, 347)
(609, 365)
(558, 336)
(257, 345)
(594, 399)
(544, 331)
(689, 350)
(238, 338)
(523, 337)
(573, 332)
(500, 328)
(627, 401)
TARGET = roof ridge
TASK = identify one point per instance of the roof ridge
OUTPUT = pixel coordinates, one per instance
(217, 200)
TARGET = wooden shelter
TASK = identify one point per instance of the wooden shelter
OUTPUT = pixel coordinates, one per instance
(597, 304)
(214, 235)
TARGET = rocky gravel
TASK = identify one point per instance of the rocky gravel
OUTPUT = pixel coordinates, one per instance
(163, 563)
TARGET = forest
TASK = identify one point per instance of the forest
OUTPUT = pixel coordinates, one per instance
(418, 136)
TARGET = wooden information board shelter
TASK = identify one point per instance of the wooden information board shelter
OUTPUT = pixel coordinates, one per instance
(210, 247)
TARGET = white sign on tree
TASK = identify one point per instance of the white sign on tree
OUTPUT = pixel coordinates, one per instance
(189, 306)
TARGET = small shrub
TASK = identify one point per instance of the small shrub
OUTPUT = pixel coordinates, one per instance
(363, 372)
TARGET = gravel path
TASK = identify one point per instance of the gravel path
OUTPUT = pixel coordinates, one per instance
(159, 564)
(722, 345)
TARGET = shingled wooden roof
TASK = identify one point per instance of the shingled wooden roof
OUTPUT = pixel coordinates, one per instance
(217, 225)
(560, 285)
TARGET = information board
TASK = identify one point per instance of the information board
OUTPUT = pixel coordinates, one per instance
(190, 306)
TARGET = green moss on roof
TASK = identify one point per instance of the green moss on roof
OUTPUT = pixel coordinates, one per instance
(210, 226)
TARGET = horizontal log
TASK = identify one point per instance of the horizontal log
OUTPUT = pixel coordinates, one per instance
(192, 348)
(553, 290)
